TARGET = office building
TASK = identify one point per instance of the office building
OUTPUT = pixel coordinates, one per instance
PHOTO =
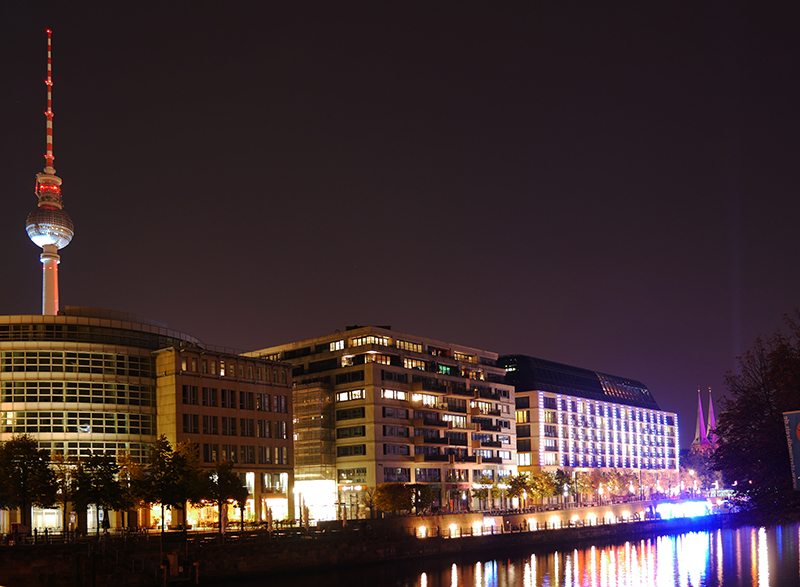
(232, 408)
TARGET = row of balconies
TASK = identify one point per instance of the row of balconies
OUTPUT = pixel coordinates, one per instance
(420, 458)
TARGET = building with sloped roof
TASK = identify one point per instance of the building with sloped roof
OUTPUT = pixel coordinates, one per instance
(569, 417)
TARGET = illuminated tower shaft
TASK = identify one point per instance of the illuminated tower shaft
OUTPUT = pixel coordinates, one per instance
(50, 261)
(48, 226)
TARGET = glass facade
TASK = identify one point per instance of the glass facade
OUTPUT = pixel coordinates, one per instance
(83, 381)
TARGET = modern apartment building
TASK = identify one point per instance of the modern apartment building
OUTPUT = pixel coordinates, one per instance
(375, 406)
(232, 408)
(568, 417)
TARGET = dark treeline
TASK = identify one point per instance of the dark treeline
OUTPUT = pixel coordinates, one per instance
(171, 477)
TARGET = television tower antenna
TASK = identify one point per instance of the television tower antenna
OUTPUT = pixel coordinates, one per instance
(48, 226)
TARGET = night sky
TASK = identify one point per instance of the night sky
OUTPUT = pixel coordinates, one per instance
(608, 185)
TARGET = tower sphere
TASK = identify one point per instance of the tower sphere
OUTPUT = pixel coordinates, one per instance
(50, 226)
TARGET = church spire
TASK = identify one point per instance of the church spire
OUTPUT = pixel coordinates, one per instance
(700, 436)
(712, 422)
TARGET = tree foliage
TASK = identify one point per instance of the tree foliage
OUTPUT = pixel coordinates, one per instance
(26, 478)
(222, 484)
(421, 496)
(543, 484)
(64, 468)
(96, 482)
(368, 499)
(519, 486)
(393, 497)
(172, 476)
(752, 453)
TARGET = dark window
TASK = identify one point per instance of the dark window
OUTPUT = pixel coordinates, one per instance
(396, 377)
(350, 413)
(350, 432)
(351, 450)
(349, 377)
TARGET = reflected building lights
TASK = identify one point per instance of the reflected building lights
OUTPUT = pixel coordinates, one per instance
(763, 558)
(568, 564)
(738, 556)
(753, 558)
(527, 575)
(719, 556)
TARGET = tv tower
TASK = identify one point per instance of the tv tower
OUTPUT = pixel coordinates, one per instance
(48, 226)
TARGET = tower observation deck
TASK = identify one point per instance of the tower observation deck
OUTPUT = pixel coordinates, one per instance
(49, 226)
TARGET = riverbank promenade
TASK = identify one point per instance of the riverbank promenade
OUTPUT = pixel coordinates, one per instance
(202, 557)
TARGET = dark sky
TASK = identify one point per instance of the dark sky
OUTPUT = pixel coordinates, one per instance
(610, 185)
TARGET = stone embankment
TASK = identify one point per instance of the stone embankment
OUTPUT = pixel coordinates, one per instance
(179, 559)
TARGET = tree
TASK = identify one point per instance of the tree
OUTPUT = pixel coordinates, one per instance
(593, 480)
(26, 476)
(222, 484)
(393, 497)
(543, 484)
(616, 482)
(64, 468)
(172, 477)
(482, 492)
(519, 487)
(131, 479)
(96, 482)
(368, 500)
(752, 454)
(564, 484)
(421, 496)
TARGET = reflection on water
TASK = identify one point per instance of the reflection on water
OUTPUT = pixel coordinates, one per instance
(748, 556)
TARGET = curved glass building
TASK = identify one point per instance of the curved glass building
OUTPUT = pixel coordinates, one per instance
(82, 381)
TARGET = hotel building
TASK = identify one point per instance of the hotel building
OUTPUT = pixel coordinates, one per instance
(568, 417)
(375, 406)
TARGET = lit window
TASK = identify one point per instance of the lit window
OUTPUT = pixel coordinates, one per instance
(426, 399)
(362, 340)
(394, 394)
(405, 345)
(414, 364)
(344, 396)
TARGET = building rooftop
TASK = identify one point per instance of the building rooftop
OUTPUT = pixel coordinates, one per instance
(534, 374)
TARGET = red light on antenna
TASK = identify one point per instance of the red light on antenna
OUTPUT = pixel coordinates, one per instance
(49, 31)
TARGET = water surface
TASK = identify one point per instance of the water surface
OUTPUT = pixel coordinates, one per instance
(745, 556)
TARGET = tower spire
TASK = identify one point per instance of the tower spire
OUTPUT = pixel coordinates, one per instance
(48, 226)
(49, 157)
(700, 431)
(712, 422)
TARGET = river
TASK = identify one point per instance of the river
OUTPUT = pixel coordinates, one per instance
(751, 556)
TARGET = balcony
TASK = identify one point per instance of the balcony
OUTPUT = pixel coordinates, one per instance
(492, 443)
(462, 391)
(428, 386)
(496, 460)
(464, 459)
(490, 427)
(489, 395)
(431, 458)
(421, 422)
(436, 440)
